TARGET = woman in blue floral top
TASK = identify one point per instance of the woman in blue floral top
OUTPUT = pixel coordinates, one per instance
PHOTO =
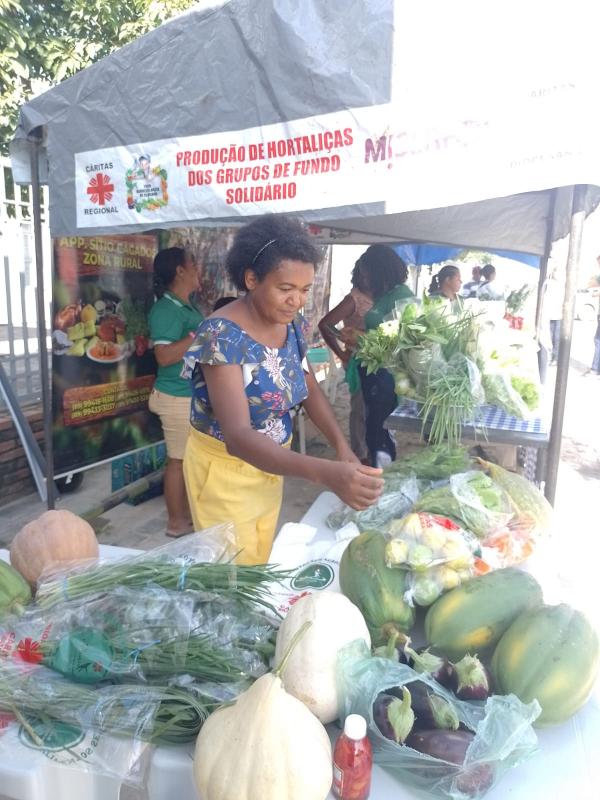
(247, 373)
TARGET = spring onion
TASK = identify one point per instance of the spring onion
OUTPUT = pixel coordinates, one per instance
(249, 584)
(151, 713)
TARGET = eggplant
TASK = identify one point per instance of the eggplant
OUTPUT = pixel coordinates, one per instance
(393, 716)
(452, 746)
(472, 679)
(431, 710)
(440, 668)
(394, 649)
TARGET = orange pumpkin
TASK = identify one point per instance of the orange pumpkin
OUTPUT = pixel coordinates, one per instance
(55, 538)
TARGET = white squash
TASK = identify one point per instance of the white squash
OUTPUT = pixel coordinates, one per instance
(266, 746)
(310, 674)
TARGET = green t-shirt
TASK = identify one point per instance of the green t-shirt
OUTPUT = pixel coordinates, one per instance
(386, 304)
(170, 320)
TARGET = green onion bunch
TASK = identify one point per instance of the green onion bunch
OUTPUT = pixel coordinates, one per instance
(248, 584)
(160, 714)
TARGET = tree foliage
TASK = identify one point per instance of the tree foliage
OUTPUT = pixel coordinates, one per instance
(44, 42)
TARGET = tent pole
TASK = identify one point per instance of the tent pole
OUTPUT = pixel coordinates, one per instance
(566, 333)
(34, 150)
(543, 275)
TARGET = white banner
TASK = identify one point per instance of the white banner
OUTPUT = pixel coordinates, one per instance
(357, 156)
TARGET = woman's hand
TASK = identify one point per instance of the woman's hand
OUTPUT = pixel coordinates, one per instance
(349, 336)
(358, 486)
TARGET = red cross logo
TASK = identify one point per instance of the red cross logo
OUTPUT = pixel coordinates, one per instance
(100, 189)
(29, 650)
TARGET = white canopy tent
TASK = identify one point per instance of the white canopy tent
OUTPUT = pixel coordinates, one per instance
(374, 120)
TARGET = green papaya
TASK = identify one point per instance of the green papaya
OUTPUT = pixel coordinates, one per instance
(377, 590)
(14, 590)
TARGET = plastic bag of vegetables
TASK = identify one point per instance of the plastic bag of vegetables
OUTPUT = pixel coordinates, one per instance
(499, 391)
(533, 513)
(116, 722)
(431, 463)
(146, 634)
(436, 554)
(473, 500)
(399, 494)
(449, 762)
(202, 562)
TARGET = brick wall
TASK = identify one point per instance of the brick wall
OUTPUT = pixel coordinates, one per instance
(15, 475)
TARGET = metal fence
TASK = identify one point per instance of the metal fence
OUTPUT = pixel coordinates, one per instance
(19, 352)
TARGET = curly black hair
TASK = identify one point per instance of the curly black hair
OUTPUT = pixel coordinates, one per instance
(264, 243)
(384, 269)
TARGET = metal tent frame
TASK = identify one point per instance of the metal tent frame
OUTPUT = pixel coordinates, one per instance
(449, 194)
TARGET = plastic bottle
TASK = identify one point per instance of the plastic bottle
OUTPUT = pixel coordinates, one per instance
(352, 761)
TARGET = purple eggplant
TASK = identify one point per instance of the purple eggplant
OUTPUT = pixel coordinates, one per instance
(452, 746)
(472, 679)
(438, 667)
(393, 716)
(431, 710)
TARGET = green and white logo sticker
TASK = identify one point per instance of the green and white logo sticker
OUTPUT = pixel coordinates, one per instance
(316, 575)
(52, 734)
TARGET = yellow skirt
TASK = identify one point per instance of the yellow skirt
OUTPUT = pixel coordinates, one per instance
(222, 488)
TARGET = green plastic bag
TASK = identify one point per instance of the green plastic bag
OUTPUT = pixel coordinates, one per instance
(504, 736)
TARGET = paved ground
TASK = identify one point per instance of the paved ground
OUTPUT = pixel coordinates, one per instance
(574, 554)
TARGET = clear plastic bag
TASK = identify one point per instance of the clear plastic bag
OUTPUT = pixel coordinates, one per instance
(504, 736)
(419, 361)
(499, 391)
(436, 554)
(28, 742)
(397, 499)
(201, 562)
(209, 546)
(143, 635)
(473, 500)
(125, 719)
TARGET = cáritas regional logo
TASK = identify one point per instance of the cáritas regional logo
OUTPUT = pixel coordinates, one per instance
(100, 189)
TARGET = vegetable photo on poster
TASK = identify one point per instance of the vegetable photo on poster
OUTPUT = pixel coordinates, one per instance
(103, 367)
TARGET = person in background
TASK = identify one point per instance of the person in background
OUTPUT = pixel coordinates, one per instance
(247, 374)
(351, 313)
(486, 289)
(469, 289)
(446, 283)
(222, 302)
(173, 321)
(385, 275)
(596, 359)
(595, 284)
(553, 301)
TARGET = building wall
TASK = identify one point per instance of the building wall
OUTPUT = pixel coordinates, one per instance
(15, 476)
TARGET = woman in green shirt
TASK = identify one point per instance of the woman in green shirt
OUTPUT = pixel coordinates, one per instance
(386, 275)
(173, 322)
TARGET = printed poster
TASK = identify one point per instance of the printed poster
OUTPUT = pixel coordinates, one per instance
(377, 154)
(102, 366)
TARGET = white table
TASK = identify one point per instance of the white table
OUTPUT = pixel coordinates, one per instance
(566, 768)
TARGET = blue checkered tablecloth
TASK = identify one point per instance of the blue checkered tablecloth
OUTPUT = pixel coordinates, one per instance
(489, 418)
